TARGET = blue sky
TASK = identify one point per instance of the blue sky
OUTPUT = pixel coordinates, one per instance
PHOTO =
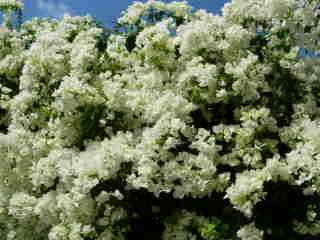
(106, 11)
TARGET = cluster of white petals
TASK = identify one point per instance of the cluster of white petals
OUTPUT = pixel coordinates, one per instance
(11, 4)
(178, 118)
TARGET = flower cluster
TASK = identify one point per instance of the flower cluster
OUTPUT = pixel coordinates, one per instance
(11, 4)
(177, 121)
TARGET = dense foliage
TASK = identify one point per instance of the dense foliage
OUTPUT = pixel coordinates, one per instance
(177, 124)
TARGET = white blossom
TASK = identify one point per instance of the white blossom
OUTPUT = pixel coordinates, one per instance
(250, 232)
(172, 106)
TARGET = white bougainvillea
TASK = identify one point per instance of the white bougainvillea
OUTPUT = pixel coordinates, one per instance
(176, 124)
(250, 232)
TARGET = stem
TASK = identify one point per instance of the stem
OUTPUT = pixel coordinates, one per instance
(212, 85)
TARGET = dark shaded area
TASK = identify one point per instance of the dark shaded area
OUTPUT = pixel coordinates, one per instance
(223, 113)
(183, 146)
(256, 44)
(283, 204)
(199, 120)
(12, 83)
(286, 91)
(233, 170)
(115, 183)
(147, 212)
(219, 113)
(3, 122)
(91, 115)
(150, 225)
(44, 189)
(131, 42)
(89, 123)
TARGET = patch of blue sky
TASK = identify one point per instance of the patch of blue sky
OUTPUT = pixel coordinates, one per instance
(106, 12)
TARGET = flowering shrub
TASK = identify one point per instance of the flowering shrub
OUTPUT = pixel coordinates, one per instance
(175, 125)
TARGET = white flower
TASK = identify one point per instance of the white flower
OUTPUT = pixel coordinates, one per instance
(250, 232)
(11, 4)
(199, 35)
(46, 208)
(169, 102)
(248, 190)
(186, 104)
(22, 205)
(133, 13)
